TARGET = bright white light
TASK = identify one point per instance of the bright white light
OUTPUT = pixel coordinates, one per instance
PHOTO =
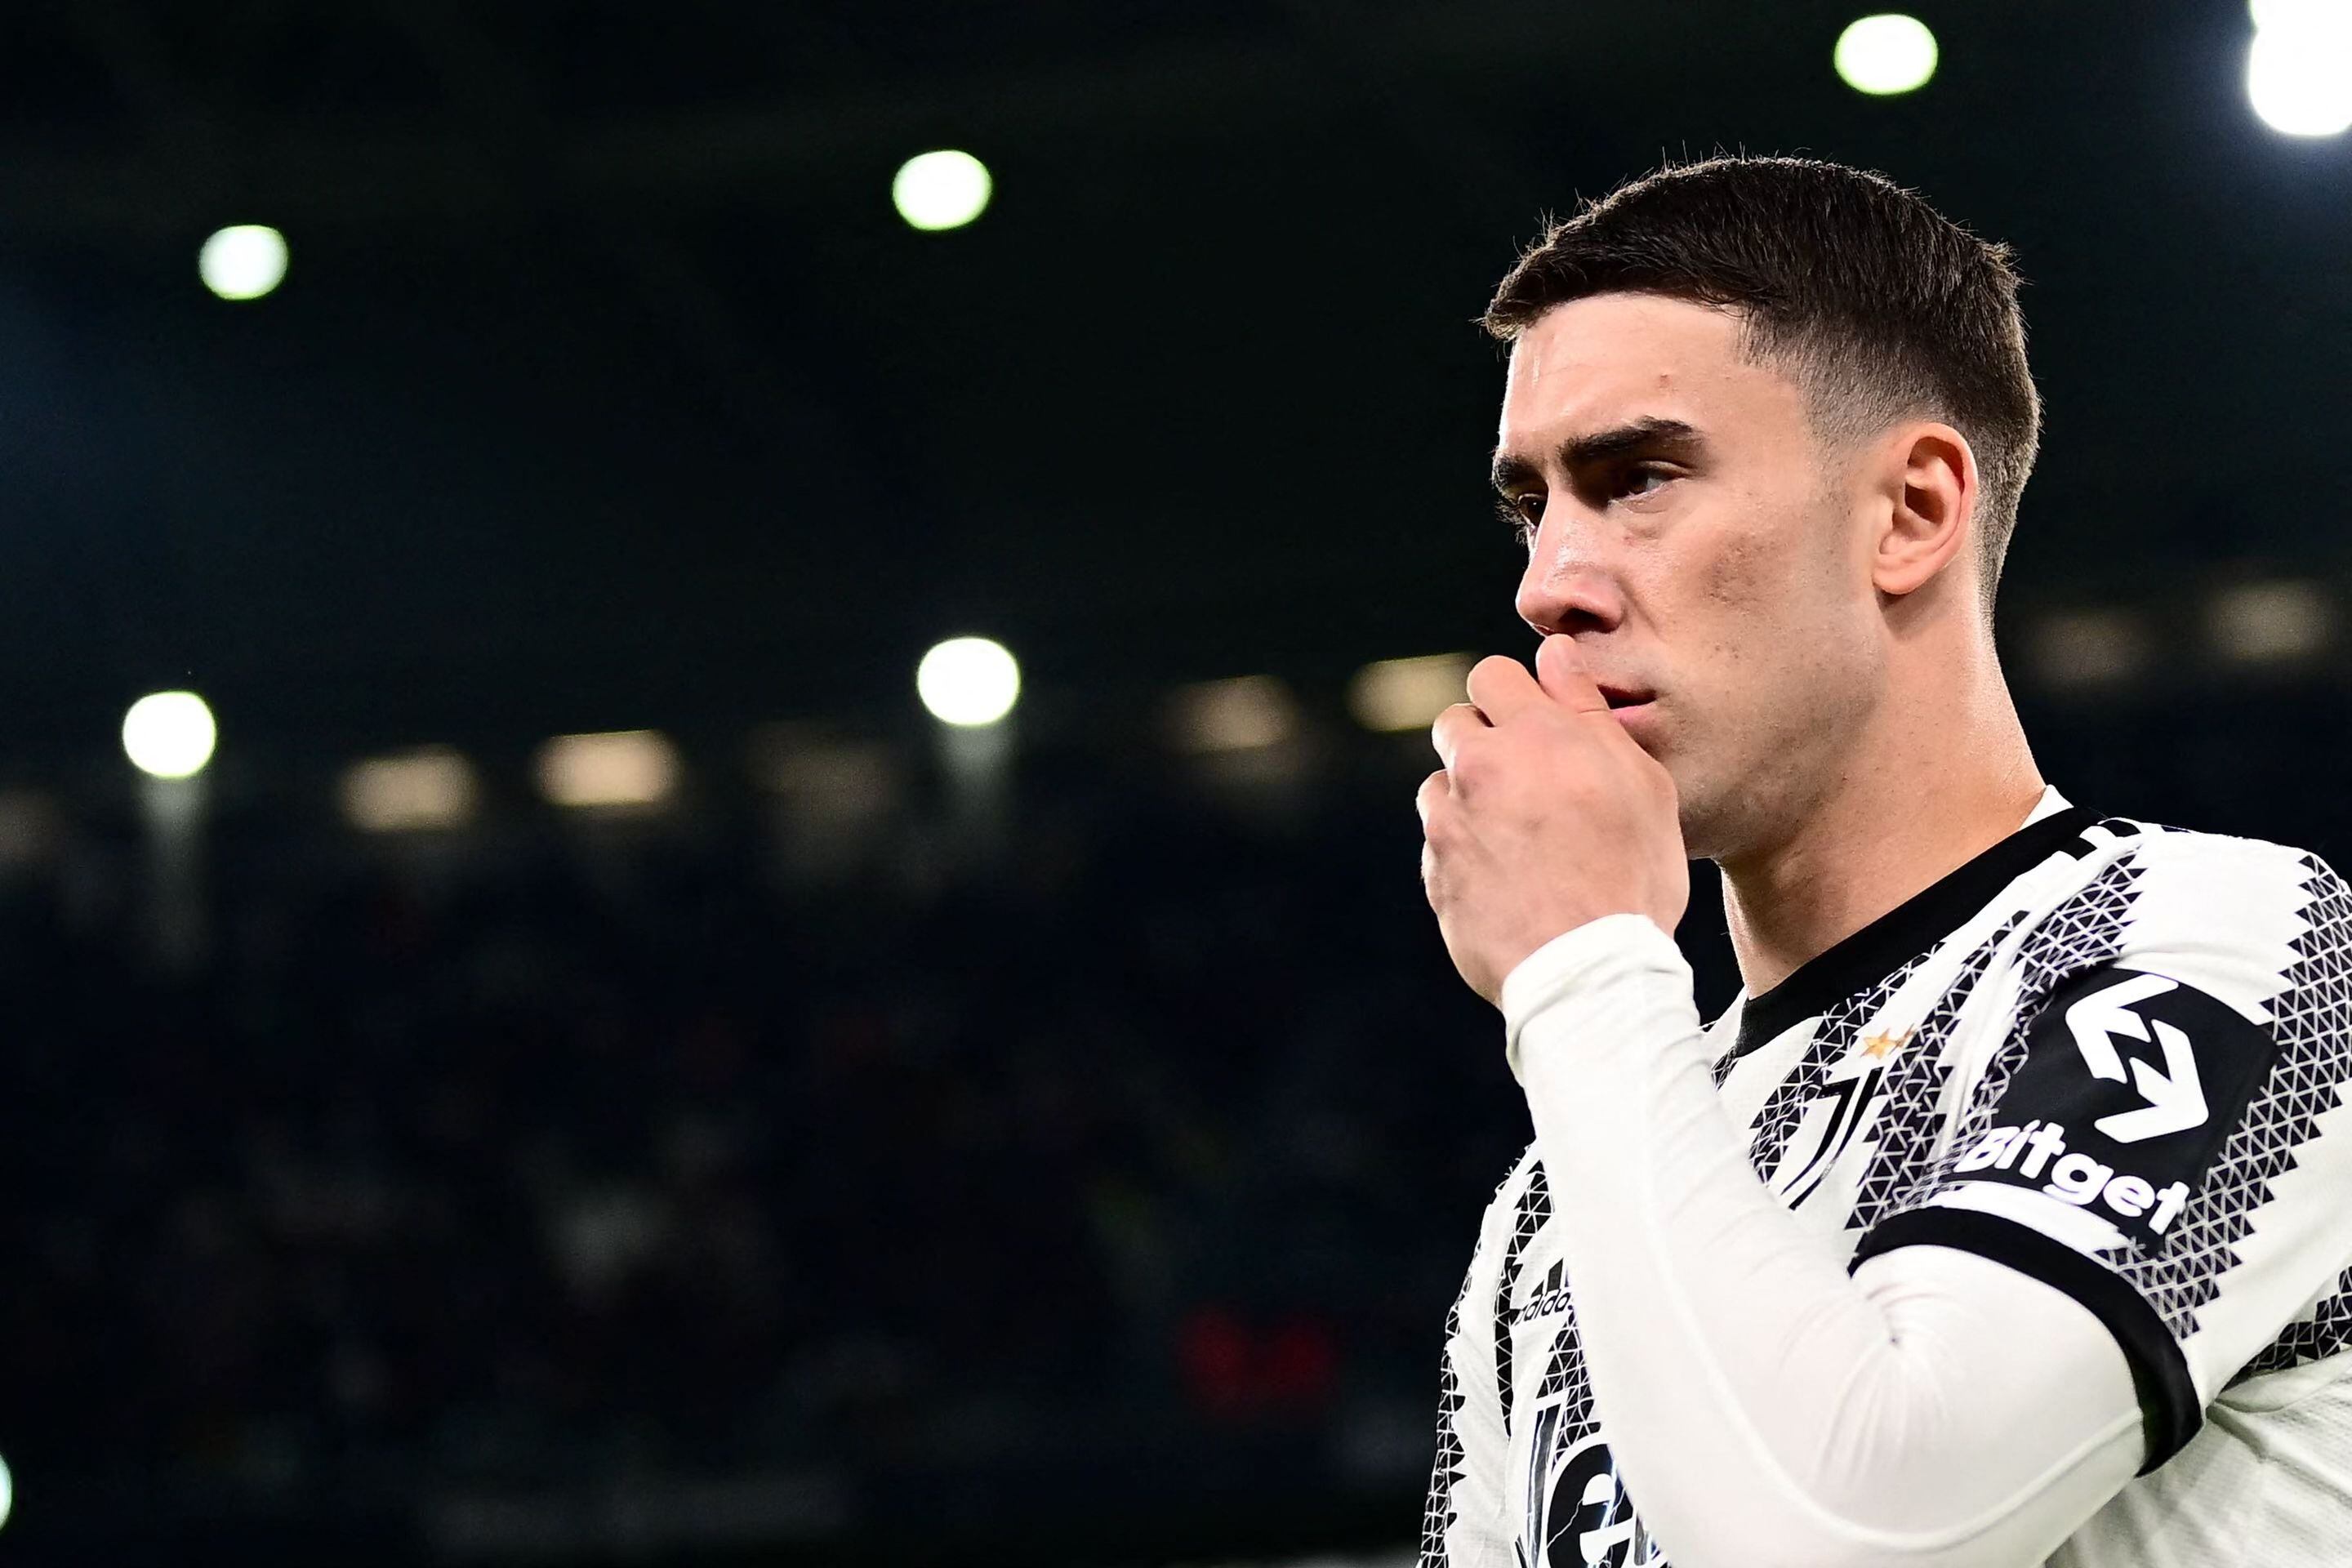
(2299, 68)
(2289, 15)
(8, 1492)
(427, 788)
(244, 261)
(1408, 693)
(169, 734)
(969, 682)
(1885, 54)
(942, 190)
(623, 768)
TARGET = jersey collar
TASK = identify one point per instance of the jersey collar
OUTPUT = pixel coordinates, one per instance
(1905, 931)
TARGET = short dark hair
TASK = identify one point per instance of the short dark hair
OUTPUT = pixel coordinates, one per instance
(1876, 305)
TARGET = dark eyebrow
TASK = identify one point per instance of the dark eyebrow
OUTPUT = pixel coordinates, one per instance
(1645, 434)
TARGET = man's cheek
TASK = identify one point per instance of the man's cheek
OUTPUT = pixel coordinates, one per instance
(1730, 579)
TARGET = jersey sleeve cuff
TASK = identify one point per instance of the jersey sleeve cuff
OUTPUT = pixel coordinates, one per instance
(1588, 956)
(2168, 1396)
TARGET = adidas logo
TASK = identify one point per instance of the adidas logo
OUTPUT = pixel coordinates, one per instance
(1552, 1297)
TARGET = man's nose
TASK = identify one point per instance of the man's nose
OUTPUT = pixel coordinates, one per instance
(1559, 596)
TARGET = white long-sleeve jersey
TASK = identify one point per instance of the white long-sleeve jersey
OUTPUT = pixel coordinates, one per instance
(2015, 1227)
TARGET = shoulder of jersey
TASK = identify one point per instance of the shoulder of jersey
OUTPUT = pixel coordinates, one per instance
(2220, 891)
(2165, 848)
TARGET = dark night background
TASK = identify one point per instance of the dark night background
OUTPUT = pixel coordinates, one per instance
(1087, 1188)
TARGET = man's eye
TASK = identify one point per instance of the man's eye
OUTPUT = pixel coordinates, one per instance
(1639, 470)
(1523, 513)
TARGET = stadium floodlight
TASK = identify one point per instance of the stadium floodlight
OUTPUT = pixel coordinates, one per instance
(1885, 54)
(2299, 66)
(967, 681)
(1397, 694)
(942, 190)
(169, 734)
(2279, 622)
(1246, 713)
(2290, 14)
(243, 261)
(622, 768)
(431, 787)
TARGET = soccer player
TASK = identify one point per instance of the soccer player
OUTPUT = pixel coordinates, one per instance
(2005, 1214)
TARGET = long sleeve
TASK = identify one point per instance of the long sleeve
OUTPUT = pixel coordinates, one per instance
(1933, 1407)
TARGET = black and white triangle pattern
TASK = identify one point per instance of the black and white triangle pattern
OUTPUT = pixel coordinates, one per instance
(1912, 1115)
(1527, 1216)
(2311, 1019)
(1438, 1517)
(2327, 1330)
(2084, 931)
(1833, 1038)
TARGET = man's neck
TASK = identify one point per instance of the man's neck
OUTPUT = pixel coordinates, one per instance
(1883, 835)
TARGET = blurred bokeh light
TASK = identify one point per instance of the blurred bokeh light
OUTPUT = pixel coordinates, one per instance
(169, 734)
(623, 768)
(2299, 65)
(431, 787)
(1397, 694)
(1245, 713)
(688, 1138)
(1885, 54)
(2273, 622)
(244, 261)
(946, 189)
(969, 682)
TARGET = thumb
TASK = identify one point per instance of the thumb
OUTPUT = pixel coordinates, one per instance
(1560, 672)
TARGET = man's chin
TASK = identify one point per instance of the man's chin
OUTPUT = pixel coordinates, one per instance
(1730, 826)
(1708, 834)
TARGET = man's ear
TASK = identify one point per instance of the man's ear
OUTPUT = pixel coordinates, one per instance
(1933, 476)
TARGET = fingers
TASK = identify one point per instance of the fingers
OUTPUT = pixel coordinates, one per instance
(1452, 727)
(1501, 686)
(1559, 667)
(1501, 689)
(1434, 788)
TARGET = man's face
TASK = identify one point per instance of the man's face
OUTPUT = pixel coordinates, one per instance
(1717, 579)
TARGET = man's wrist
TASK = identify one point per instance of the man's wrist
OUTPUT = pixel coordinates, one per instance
(1585, 961)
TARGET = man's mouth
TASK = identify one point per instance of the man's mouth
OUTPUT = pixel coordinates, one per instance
(1624, 697)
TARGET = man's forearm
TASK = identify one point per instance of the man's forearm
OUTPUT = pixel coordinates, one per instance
(1764, 1407)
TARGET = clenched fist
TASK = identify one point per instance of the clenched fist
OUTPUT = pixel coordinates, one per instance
(1545, 815)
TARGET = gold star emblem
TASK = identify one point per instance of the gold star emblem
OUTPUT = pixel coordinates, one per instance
(1878, 1047)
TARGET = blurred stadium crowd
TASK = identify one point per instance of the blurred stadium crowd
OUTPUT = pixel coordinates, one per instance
(1128, 1165)
(592, 1148)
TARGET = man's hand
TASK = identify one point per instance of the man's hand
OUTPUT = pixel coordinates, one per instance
(1545, 815)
